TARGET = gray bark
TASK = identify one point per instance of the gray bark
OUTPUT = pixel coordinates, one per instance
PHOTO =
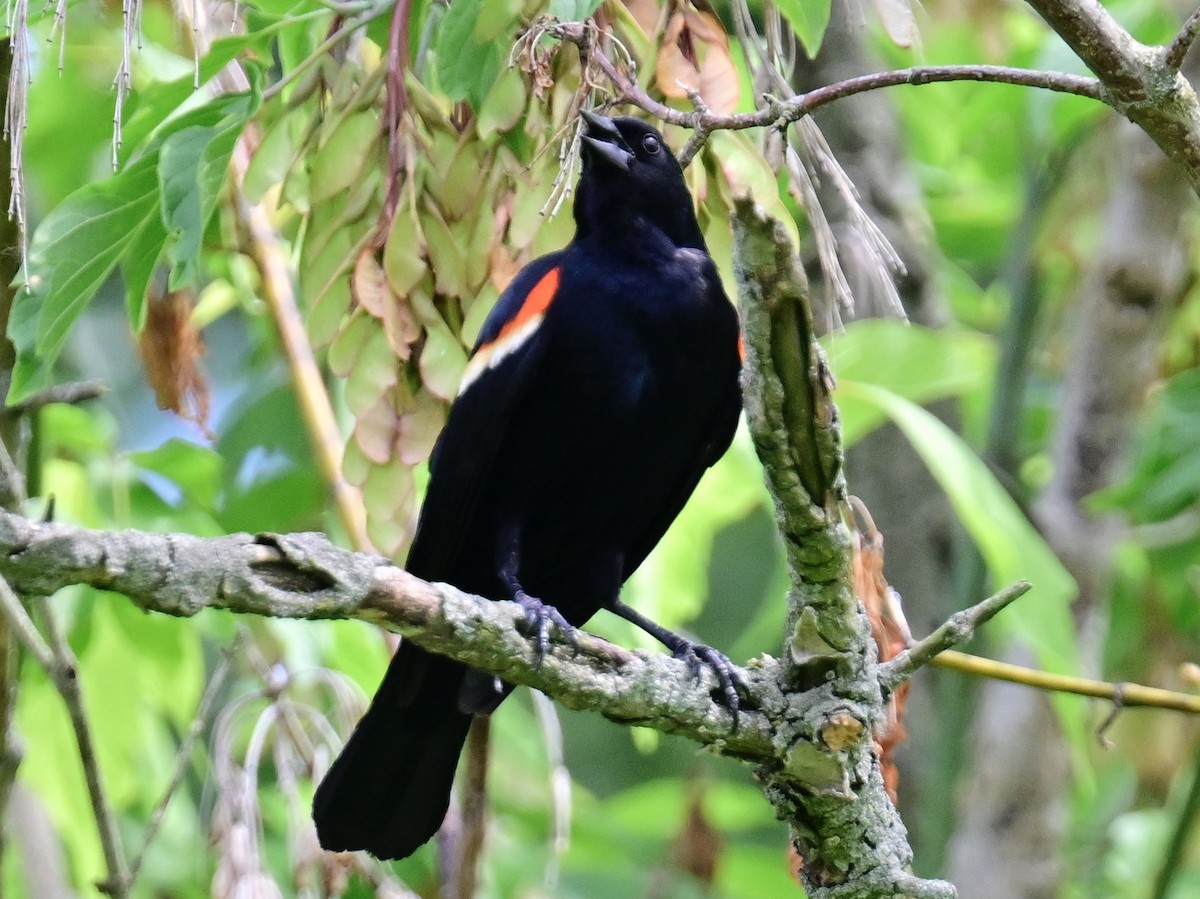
(908, 506)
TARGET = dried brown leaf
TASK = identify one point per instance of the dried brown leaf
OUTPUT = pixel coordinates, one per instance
(368, 285)
(695, 56)
(172, 347)
(890, 631)
(646, 13)
(375, 431)
(373, 292)
(697, 848)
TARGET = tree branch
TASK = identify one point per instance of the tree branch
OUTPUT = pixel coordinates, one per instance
(1142, 83)
(306, 576)
(781, 112)
(1183, 41)
(1128, 695)
(829, 787)
(958, 628)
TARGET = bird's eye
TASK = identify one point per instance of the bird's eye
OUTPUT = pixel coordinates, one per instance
(650, 144)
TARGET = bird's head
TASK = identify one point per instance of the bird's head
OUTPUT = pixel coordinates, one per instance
(630, 174)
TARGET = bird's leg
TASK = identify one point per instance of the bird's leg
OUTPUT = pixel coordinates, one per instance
(538, 615)
(694, 654)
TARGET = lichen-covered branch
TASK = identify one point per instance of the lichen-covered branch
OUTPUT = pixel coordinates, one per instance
(1143, 83)
(827, 783)
(306, 576)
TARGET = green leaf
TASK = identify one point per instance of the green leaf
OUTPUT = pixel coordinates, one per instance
(496, 19)
(1164, 475)
(443, 360)
(110, 222)
(808, 19)
(923, 364)
(289, 501)
(275, 155)
(465, 68)
(191, 171)
(72, 253)
(1010, 545)
(195, 469)
(345, 154)
(573, 10)
(504, 104)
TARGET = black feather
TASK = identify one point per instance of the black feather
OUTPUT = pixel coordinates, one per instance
(576, 447)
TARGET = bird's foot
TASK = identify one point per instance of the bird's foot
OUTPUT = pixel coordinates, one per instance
(538, 617)
(697, 655)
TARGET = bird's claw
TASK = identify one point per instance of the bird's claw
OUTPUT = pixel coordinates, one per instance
(538, 617)
(697, 655)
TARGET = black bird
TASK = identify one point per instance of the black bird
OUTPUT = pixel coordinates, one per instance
(602, 385)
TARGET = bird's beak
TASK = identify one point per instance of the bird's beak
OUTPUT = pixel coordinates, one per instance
(603, 141)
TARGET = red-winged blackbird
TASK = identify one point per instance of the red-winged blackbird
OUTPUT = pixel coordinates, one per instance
(602, 385)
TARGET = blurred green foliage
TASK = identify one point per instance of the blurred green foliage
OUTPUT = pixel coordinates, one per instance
(632, 799)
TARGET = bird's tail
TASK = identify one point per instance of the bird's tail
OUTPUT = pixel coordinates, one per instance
(389, 789)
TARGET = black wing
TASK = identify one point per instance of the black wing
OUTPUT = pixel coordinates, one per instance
(502, 364)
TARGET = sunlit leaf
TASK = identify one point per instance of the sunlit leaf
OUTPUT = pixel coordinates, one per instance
(103, 224)
(920, 364)
(1010, 545)
(808, 19)
(71, 254)
(442, 361)
(195, 469)
(192, 173)
(342, 158)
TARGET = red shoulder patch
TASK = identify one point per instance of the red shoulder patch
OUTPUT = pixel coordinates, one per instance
(535, 306)
(515, 332)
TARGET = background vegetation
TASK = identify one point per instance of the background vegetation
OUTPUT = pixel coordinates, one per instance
(1044, 253)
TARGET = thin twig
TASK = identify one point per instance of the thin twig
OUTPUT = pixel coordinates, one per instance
(474, 809)
(777, 112)
(396, 103)
(958, 628)
(1176, 848)
(1129, 694)
(17, 615)
(1061, 82)
(315, 406)
(64, 672)
(183, 756)
(71, 394)
(1178, 48)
